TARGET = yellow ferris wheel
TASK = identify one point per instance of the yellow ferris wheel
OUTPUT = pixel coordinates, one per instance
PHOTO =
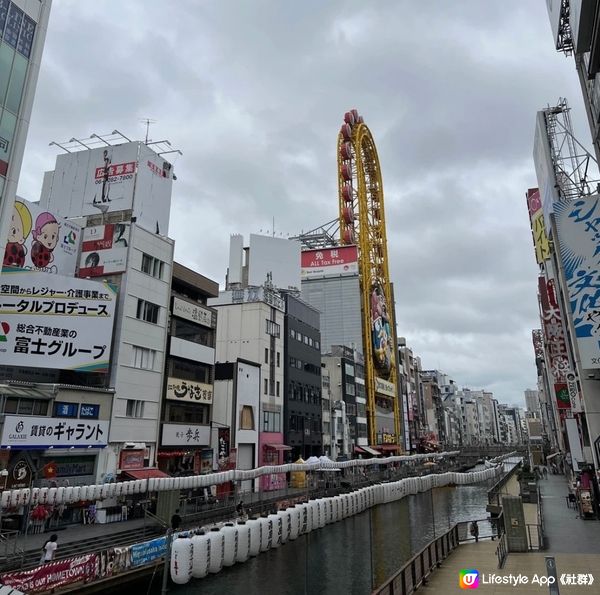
(362, 222)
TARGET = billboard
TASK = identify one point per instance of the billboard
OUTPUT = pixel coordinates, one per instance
(381, 332)
(538, 227)
(104, 250)
(189, 391)
(578, 231)
(194, 313)
(581, 20)
(51, 321)
(104, 179)
(26, 431)
(329, 262)
(276, 257)
(39, 240)
(554, 7)
(544, 168)
(185, 435)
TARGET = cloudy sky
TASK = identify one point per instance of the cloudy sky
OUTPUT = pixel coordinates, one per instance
(253, 93)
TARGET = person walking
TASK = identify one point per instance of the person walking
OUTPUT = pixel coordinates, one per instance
(240, 508)
(475, 531)
(49, 550)
(545, 470)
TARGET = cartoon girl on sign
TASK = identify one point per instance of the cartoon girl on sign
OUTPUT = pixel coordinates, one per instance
(18, 231)
(45, 237)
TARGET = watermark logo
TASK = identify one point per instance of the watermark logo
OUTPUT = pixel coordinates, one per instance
(468, 578)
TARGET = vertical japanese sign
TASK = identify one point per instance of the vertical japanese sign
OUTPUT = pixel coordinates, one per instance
(538, 343)
(555, 341)
(538, 227)
(578, 231)
(51, 321)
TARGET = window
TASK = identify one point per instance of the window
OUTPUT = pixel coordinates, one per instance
(190, 414)
(317, 345)
(15, 87)
(266, 386)
(349, 369)
(305, 340)
(247, 418)
(182, 329)
(188, 370)
(25, 406)
(299, 337)
(350, 388)
(147, 311)
(271, 421)
(143, 358)
(292, 361)
(277, 389)
(266, 355)
(152, 266)
(134, 408)
(292, 333)
(278, 359)
(350, 409)
(273, 329)
(310, 342)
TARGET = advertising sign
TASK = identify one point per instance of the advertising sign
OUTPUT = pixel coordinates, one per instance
(27, 431)
(538, 343)
(538, 227)
(131, 459)
(555, 340)
(206, 461)
(148, 551)
(381, 332)
(224, 440)
(554, 7)
(52, 575)
(329, 262)
(194, 313)
(104, 250)
(573, 392)
(383, 387)
(188, 391)
(41, 241)
(51, 321)
(19, 476)
(578, 230)
(544, 168)
(185, 435)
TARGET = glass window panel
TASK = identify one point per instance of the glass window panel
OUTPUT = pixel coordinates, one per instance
(26, 38)
(13, 25)
(6, 59)
(15, 86)
(4, 4)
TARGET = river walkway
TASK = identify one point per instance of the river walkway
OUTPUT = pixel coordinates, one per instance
(574, 543)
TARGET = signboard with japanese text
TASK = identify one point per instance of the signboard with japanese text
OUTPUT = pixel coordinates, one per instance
(329, 262)
(41, 241)
(194, 313)
(544, 168)
(578, 230)
(105, 179)
(538, 343)
(131, 459)
(52, 575)
(27, 431)
(250, 295)
(189, 391)
(555, 342)
(185, 435)
(223, 444)
(538, 227)
(51, 321)
(384, 387)
(573, 388)
(148, 551)
(104, 250)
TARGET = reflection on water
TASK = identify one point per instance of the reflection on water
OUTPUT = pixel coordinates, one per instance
(342, 557)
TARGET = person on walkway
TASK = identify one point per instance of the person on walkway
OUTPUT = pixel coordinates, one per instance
(545, 470)
(475, 531)
(240, 508)
(49, 549)
(175, 521)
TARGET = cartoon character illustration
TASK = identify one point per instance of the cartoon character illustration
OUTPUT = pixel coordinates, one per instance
(45, 237)
(381, 333)
(19, 230)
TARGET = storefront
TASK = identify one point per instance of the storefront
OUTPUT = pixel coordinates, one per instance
(272, 452)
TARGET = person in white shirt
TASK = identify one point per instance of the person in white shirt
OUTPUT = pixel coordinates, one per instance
(49, 549)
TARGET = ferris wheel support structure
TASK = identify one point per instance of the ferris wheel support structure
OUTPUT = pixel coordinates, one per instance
(362, 222)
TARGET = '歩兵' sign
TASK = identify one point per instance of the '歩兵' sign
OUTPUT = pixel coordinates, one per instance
(41, 432)
(185, 390)
(185, 435)
(51, 321)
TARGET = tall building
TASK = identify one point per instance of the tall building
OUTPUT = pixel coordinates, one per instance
(532, 402)
(186, 444)
(23, 26)
(302, 379)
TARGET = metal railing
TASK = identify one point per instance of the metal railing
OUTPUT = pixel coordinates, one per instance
(417, 570)
(502, 550)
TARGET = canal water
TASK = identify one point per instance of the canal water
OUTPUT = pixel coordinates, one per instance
(349, 556)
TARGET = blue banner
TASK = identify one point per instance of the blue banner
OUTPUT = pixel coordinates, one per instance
(143, 553)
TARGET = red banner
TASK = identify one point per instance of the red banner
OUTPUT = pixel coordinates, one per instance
(52, 575)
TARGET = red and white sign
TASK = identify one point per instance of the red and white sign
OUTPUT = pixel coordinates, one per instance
(329, 262)
(104, 250)
(131, 459)
(114, 170)
(52, 575)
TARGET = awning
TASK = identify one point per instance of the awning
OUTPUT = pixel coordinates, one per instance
(28, 390)
(371, 451)
(554, 454)
(146, 473)
(278, 446)
(388, 447)
(359, 450)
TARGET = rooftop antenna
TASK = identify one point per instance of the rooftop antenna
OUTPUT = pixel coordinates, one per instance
(147, 122)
